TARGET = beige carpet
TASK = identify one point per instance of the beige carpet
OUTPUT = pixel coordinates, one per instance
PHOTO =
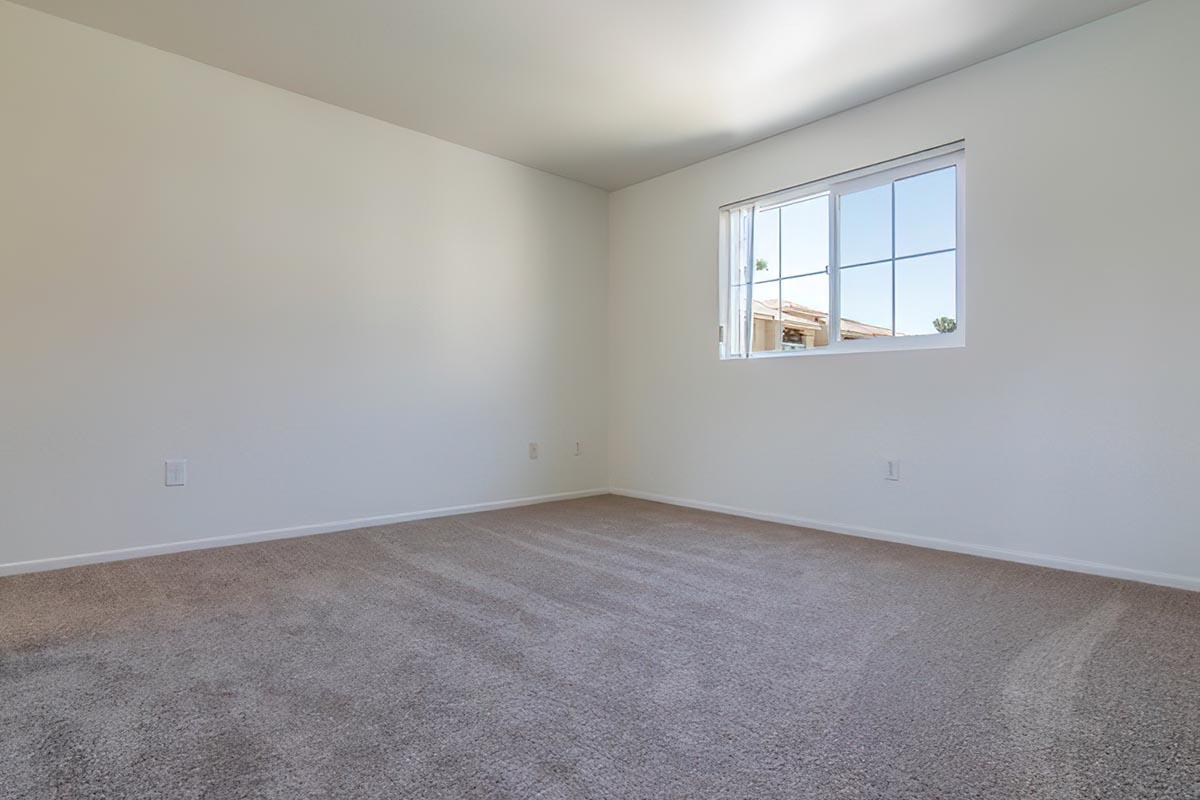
(598, 648)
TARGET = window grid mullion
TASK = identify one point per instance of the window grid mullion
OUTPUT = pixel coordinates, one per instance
(899, 258)
(779, 275)
(835, 272)
(893, 187)
(820, 271)
(749, 257)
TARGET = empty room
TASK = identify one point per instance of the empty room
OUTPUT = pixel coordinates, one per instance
(480, 400)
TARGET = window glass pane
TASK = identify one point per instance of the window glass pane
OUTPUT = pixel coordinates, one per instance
(925, 295)
(804, 312)
(925, 213)
(867, 301)
(766, 245)
(865, 224)
(767, 329)
(804, 236)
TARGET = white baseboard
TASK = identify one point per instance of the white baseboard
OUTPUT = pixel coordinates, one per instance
(60, 562)
(986, 551)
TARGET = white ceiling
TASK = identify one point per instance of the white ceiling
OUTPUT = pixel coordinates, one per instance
(609, 92)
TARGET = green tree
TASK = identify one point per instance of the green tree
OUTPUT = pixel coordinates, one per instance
(945, 325)
(761, 264)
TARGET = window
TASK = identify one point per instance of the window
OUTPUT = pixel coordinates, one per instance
(870, 259)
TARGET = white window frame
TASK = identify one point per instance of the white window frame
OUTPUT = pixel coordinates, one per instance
(836, 186)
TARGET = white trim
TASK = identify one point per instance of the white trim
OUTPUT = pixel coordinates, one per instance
(910, 167)
(822, 184)
(61, 562)
(1191, 583)
(881, 344)
(985, 551)
(791, 199)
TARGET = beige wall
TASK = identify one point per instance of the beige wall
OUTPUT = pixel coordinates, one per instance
(332, 318)
(1066, 431)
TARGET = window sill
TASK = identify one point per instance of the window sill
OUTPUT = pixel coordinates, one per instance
(926, 342)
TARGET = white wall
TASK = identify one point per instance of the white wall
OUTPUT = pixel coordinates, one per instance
(330, 317)
(1066, 429)
(334, 319)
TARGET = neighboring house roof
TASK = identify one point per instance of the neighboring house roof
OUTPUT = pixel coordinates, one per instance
(805, 318)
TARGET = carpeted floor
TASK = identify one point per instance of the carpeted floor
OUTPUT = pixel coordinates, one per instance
(598, 648)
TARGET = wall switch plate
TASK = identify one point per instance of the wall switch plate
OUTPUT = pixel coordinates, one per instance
(533, 451)
(893, 471)
(176, 472)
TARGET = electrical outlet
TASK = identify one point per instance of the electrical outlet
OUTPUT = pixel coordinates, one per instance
(533, 451)
(893, 471)
(175, 472)
(578, 449)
